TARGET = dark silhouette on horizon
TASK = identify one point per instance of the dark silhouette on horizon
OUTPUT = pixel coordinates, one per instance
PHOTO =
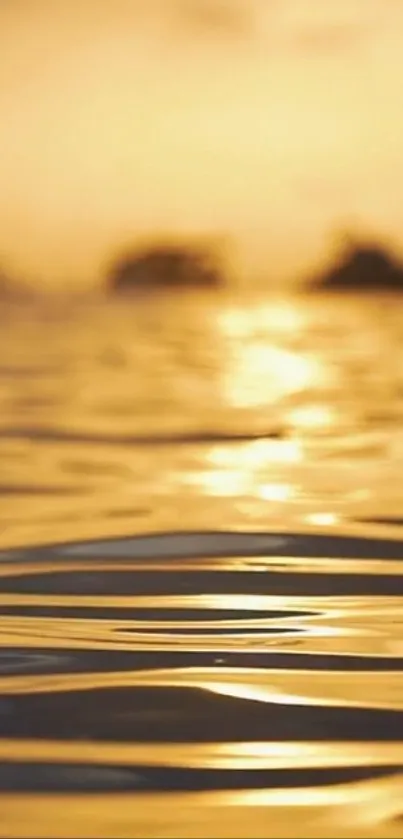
(363, 266)
(164, 267)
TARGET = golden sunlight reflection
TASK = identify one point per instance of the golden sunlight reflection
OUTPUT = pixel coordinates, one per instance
(230, 472)
(313, 417)
(284, 317)
(255, 693)
(261, 373)
(257, 469)
(253, 455)
(220, 483)
(276, 492)
(283, 754)
(323, 519)
(363, 804)
(231, 755)
(233, 602)
(369, 808)
(258, 371)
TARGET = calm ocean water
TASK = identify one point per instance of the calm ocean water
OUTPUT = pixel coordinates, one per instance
(201, 578)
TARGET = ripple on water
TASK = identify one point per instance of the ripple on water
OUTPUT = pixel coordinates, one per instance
(183, 674)
(202, 683)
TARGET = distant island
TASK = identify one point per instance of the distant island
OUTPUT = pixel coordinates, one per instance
(362, 267)
(163, 268)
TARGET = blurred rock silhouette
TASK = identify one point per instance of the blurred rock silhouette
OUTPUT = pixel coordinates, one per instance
(165, 267)
(362, 266)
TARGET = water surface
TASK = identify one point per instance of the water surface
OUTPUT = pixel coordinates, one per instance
(201, 585)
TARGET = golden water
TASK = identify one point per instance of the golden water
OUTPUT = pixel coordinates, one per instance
(201, 578)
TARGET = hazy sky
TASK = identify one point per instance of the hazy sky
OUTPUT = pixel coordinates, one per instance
(273, 121)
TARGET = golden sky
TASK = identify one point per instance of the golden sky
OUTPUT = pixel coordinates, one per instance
(272, 121)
